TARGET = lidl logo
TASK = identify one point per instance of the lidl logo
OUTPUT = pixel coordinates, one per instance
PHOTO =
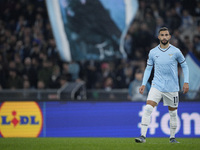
(20, 119)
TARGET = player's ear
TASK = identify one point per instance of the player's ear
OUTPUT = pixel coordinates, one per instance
(159, 36)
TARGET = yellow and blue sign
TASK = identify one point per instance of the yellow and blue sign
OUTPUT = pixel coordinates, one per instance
(20, 119)
(93, 119)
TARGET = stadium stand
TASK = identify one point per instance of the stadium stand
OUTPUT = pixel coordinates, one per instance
(29, 58)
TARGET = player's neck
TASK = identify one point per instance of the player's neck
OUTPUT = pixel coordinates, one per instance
(164, 46)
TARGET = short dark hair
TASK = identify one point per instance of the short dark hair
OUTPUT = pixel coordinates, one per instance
(163, 29)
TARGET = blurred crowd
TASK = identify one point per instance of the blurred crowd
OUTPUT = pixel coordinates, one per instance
(29, 57)
(182, 17)
(28, 54)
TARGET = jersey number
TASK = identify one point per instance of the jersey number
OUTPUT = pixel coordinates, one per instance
(175, 99)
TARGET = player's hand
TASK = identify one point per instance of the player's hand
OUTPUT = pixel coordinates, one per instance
(185, 88)
(141, 89)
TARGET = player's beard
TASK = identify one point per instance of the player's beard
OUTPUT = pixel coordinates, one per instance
(164, 43)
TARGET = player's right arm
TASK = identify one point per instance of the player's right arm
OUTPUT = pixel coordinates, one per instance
(141, 89)
(146, 76)
(147, 73)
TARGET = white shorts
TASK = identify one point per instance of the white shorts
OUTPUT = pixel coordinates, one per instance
(169, 98)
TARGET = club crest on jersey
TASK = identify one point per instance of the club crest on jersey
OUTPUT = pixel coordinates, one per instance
(170, 55)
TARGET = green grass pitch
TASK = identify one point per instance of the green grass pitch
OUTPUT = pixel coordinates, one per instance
(96, 144)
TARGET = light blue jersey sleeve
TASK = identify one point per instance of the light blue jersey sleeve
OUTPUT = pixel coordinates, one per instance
(148, 69)
(184, 66)
(150, 59)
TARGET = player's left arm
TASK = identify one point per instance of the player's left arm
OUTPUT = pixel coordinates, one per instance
(184, 66)
(185, 88)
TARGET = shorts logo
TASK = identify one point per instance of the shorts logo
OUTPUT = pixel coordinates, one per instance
(20, 119)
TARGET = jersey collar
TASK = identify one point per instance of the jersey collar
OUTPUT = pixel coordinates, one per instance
(164, 50)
